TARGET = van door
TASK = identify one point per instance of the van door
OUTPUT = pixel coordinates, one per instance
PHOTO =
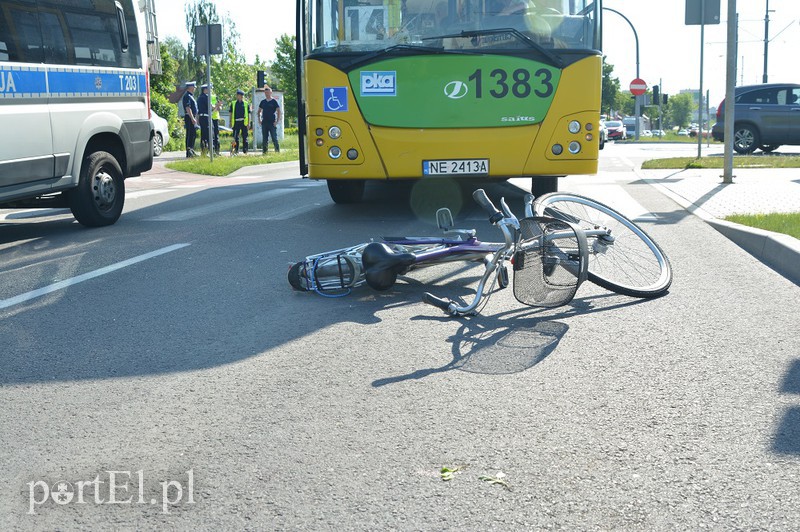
(26, 142)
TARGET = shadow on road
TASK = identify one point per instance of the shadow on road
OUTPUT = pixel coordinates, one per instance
(787, 436)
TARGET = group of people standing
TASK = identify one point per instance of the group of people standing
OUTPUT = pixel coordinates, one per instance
(198, 111)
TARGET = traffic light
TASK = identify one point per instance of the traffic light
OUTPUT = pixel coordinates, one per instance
(261, 79)
(656, 98)
(664, 98)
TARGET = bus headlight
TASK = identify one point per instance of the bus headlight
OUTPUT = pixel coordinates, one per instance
(319, 142)
(574, 126)
(574, 147)
(557, 149)
(334, 152)
(334, 132)
(352, 154)
(319, 131)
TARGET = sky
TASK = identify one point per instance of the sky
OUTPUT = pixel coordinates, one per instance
(669, 50)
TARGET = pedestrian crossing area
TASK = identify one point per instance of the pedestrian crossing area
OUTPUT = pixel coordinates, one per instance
(188, 201)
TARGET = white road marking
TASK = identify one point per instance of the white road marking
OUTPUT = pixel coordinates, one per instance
(5, 303)
(196, 212)
(33, 213)
(289, 213)
(148, 192)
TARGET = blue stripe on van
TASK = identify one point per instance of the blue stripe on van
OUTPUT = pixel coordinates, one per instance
(21, 82)
(13, 82)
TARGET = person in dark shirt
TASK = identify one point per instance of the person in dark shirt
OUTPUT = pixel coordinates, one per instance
(269, 113)
(190, 117)
(204, 115)
(240, 118)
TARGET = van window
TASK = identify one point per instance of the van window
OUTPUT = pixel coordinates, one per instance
(50, 31)
(20, 38)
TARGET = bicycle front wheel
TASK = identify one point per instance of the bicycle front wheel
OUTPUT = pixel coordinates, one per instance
(626, 261)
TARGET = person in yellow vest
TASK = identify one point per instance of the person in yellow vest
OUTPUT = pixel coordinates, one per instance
(240, 118)
(215, 107)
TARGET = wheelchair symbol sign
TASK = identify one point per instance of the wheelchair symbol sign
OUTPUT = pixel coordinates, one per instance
(335, 99)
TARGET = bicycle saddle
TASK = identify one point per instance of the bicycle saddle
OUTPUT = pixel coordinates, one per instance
(382, 265)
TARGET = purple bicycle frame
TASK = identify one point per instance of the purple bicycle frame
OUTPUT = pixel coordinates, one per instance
(455, 250)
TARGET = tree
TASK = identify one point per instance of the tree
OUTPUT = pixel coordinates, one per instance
(610, 89)
(200, 13)
(680, 109)
(162, 85)
(283, 68)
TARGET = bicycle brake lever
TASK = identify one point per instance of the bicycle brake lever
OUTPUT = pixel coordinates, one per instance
(529, 205)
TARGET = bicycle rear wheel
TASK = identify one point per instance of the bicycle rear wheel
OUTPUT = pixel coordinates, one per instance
(628, 261)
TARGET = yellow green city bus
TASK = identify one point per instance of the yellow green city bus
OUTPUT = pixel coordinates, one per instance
(468, 89)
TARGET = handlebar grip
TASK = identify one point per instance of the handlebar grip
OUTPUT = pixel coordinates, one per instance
(483, 200)
(438, 302)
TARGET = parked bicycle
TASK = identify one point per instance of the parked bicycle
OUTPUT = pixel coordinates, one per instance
(563, 240)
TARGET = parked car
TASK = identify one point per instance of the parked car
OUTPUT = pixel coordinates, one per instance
(659, 133)
(647, 133)
(765, 116)
(682, 133)
(161, 136)
(603, 133)
(616, 130)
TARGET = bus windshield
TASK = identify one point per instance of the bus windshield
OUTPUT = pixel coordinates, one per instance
(337, 26)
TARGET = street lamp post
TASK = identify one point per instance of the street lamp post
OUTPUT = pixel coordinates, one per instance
(636, 38)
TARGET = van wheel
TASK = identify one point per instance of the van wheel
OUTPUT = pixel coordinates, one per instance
(346, 190)
(745, 139)
(158, 144)
(100, 195)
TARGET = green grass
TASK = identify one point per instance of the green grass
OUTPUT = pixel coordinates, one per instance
(786, 223)
(743, 161)
(225, 165)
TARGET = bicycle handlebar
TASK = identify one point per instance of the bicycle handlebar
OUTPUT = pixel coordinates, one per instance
(483, 200)
(508, 225)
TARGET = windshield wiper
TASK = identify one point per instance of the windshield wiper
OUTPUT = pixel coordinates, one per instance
(553, 59)
(397, 47)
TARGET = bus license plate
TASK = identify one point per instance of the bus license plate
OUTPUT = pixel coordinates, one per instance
(456, 167)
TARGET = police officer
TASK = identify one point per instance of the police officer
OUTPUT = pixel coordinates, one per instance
(204, 114)
(190, 117)
(240, 117)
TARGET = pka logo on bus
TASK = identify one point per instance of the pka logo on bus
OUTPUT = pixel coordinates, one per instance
(378, 83)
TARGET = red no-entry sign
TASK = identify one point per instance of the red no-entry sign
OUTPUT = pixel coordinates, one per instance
(638, 87)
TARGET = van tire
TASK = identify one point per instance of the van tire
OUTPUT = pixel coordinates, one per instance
(100, 195)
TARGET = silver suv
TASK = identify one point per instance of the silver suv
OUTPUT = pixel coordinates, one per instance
(765, 117)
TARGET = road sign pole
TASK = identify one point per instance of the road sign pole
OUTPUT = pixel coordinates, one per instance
(730, 84)
(700, 94)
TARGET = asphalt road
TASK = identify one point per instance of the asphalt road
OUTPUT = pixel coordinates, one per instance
(165, 364)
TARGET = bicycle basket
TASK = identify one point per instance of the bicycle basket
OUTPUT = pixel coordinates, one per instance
(550, 262)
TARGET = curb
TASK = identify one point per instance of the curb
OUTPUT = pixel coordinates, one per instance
(778, 251)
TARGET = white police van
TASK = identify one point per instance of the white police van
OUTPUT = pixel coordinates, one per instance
(74, 103)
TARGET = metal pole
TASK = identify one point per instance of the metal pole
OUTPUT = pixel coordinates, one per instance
(636, 38)
(766, 41)
(700, 92)
(210, 137)
(730, 84)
